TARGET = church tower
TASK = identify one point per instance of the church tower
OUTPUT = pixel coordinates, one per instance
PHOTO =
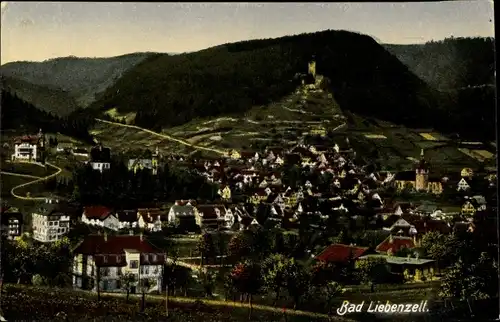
(154, 161)
(422, 174)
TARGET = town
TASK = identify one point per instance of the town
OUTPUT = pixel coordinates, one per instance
(311, 210)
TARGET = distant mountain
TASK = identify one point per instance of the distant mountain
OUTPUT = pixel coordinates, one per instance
(82, 78)
(53, 100)
(450, 64)
(463, 69)
(229, 79)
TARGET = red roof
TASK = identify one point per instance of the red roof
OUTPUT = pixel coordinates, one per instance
(339, 253)
(395, 243)
(111, 252)
(96, 212)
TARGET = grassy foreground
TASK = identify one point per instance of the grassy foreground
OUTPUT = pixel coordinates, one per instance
(21, 302)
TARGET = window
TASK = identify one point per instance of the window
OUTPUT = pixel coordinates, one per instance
(134, 264)
(146, 270)
(154, 258)
(105, 258)
(155, 270)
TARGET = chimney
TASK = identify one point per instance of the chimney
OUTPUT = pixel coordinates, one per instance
(141, 236)
(105, 237)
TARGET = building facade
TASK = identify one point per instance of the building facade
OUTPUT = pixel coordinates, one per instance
(30, 148)
(50, 222)
(105, 259)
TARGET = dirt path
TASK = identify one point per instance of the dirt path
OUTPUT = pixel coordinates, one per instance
(168, 137)
(13, 190)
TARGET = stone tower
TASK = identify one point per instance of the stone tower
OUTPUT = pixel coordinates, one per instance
(312, 68)
(422, 174)
(154, 161)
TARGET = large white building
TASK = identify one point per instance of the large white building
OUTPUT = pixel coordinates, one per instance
(29, 148)
(115, 256)
(51, 222)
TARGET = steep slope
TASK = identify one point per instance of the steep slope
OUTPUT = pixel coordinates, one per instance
(22, 116)
(231, 78)
(52, 100)
(83, 78)
(452, 63)
(463, 69)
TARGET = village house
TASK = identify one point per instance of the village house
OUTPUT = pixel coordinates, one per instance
(51, 221)
(212, 216)
(100, 158)
(342, 254)
(151, 218)
(100, 216)
(418, 269)
(105, 259)
(64, 147)
(393, 244)
(30, 148)
(80, 152)
(11, 222)
(463, 185)
(224, 192)
(182, 214)
(473, 204)
(149, 164)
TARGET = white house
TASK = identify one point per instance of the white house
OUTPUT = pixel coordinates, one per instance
(100, 158)
(151, 218)
(182, 213)
(50, 222)
(463, 185)
(29, 147)
(100, 216)
(114, 256)
(80, 152)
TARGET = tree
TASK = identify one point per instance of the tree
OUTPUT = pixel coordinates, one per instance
(206, 247)
(275, 270)
(372, 270)
(146, 284)
(247, 279)
(297, 282)
(476, 280)
(127, 281)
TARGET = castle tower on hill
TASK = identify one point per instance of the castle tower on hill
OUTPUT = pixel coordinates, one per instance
(422, 174)
(312, 68)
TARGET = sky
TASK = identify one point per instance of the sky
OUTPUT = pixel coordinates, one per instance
(36, 31)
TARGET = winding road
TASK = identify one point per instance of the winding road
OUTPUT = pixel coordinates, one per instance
(37, 180)
(168, 137)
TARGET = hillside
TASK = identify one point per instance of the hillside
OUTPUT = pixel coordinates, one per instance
(452, 63)
(52, 100)
(24, 118)
(82, 78)
(463, 69)
(167, 91)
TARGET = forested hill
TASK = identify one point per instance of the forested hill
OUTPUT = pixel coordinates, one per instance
(450, 64)
(20, 115)
(463, 69)
(365, 78)
(82, 78)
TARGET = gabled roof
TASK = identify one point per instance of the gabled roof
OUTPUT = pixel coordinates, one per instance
(150, 215)
(95, 245)
(339, 253)
(96, 212)
(395, 243)
(129, 216)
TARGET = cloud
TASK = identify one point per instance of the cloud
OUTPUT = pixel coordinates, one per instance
(26, 23)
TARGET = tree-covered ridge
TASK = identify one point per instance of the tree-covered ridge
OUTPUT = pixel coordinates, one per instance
(452, 63)
(365, 78)
(82, 77)
(21, 115)
(49, 99)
